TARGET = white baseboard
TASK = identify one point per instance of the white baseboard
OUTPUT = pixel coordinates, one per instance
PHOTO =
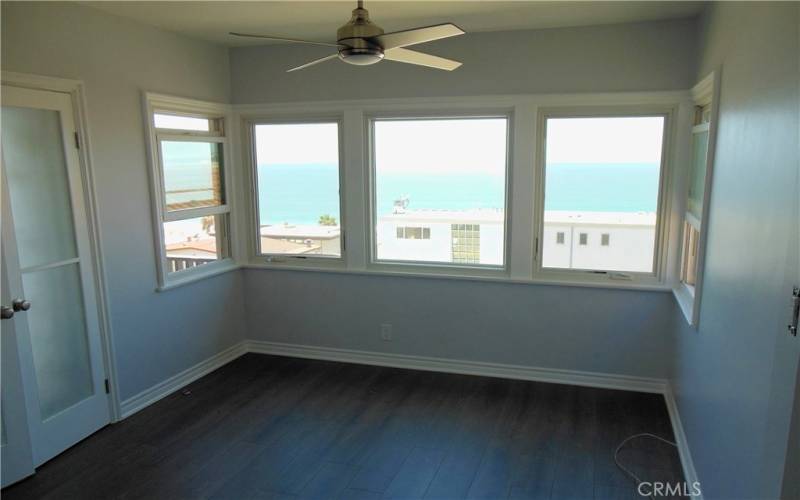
(689, 472)
(552, 375)
(172, 384)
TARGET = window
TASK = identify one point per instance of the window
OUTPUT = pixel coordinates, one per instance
(188, 151)
(181, 122)
(414, 233)
(560, 237)
(448, 174)
(297, 188)
(695, 196)
(697, 173)
(466, 243)
(602, 176)
(691, 240)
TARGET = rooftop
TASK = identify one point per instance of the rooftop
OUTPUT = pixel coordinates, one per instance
(269, 245)
(202, 245)
(601, 218)
(298, 231)
(495, 216)
(425, 215)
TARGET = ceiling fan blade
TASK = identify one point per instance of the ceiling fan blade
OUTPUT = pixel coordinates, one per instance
(421, 59)
(416, 35)
(316, 61)
(282, 39)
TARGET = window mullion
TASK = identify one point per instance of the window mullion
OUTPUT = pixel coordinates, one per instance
(522, 168)
(193, 213)
(203, 138)
(356, 189)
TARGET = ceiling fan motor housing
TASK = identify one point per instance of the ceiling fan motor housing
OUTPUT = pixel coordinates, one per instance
(353, 35)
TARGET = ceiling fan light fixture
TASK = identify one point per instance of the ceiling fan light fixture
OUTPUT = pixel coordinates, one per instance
(361, 42)
(361, 56)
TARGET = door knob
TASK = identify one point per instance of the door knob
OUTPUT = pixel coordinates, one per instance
(20, 305)
(6, 312)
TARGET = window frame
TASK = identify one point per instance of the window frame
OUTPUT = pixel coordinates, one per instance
(663, 220)
(522, 112)
(704, 93)
(219, 120)
(444, 268)
(248, 128)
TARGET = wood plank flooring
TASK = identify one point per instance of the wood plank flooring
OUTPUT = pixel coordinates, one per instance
(270, 427)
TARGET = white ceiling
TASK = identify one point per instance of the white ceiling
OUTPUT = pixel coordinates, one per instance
(318, 20)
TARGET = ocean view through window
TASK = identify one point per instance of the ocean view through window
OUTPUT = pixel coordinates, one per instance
(602, 184)
(194, 212)
(437, 189)
(297, 167)
(448, 176)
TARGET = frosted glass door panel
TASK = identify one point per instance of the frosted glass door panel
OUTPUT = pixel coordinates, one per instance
(39, 189)
(58, 337)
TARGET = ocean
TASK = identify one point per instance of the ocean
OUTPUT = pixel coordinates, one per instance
(300, 194)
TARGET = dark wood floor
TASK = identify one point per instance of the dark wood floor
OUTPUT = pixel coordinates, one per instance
(275, 427)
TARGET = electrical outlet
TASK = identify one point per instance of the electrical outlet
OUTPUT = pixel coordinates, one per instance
(386, 332)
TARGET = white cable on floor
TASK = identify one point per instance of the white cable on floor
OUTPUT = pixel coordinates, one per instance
(625, 441)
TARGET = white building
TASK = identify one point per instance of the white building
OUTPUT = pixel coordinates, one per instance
(613, 241)
(469, 236)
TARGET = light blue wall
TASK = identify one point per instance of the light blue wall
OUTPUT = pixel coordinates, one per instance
(615, 58)
(156, 334)
(598, 330)
(733, 391)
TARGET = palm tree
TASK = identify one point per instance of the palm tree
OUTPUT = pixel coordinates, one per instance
(207, 223)
(327, 220)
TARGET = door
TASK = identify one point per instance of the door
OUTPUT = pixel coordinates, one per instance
(791, 474)
(15, 445)
(791, 343)
(47, 259)
(785, 396)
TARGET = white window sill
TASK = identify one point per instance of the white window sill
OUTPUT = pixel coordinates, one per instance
(199, 274)
(685, 299)
(443, 274)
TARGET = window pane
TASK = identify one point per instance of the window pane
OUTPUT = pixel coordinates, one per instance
(602, 178)
(448, 176)
(298, 188)
(193, 242)
(192, 174)
(691, 240)
(178, 122)
(697, 176)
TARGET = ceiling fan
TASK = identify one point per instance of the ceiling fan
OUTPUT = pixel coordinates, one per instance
(361, 42)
